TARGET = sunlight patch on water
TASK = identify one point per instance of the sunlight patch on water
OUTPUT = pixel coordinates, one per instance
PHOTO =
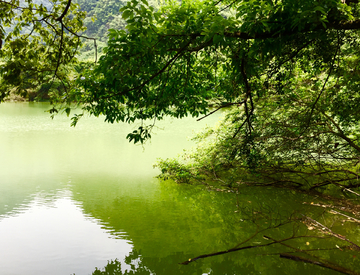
(51, 235)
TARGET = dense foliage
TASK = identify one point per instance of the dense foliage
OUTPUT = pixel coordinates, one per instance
(39, 40)
(288, 70)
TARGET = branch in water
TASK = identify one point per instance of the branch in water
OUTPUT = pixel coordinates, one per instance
(244, 247)
(319, 263)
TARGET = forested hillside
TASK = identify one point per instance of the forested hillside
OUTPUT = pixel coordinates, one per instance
(102, 15)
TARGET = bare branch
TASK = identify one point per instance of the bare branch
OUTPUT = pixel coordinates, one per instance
(221, 107)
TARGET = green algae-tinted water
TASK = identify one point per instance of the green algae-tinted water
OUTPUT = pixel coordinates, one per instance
(73, 199)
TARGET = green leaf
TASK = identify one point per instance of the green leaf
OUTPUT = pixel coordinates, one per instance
(68, 110)
(217, 39)
(126, 14)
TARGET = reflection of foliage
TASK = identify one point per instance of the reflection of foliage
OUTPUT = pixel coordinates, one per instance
(304, 244)
(322, 247)
(171, 223)
(114, 266)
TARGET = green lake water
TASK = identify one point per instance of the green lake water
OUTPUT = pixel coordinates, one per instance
(73, 199)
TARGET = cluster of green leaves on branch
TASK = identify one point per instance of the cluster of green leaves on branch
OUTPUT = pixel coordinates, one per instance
(288, 70)
(39, 40)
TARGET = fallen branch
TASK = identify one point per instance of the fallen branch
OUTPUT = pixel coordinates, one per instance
(224, 252)
(330, 232)
(351, 191)
(319, 263)
(245, 247)
(350, 218)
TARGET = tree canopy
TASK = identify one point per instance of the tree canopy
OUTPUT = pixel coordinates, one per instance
(39, 40)
(288, 70)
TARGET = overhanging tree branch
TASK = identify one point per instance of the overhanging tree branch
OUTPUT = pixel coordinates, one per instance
(60, 18)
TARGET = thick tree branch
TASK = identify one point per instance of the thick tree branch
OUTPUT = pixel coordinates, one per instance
(276, 33)
(336, 25)
(64, 12)
(248, 95)
(341, 134)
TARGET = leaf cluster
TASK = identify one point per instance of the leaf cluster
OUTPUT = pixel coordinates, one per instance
(39, 43)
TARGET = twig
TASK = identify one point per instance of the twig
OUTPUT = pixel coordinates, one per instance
(346, 189)
(224, 106)
(350, 218)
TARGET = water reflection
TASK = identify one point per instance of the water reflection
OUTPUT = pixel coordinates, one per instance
(176, 223)
(52, 231)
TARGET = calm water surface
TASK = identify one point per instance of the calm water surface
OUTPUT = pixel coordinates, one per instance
(73, 199)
